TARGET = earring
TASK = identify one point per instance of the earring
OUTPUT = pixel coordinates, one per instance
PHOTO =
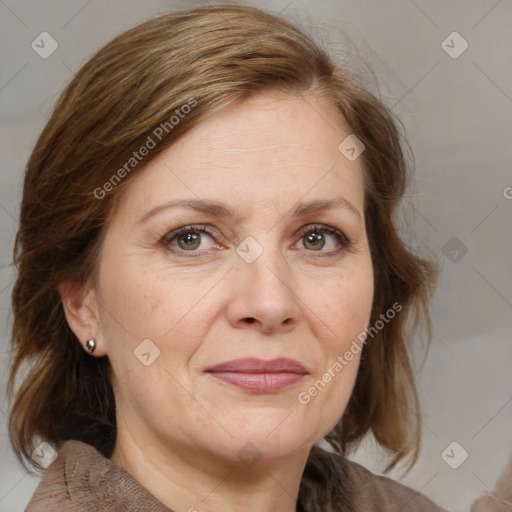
(90, 345)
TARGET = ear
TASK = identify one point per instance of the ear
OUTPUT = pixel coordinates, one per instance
(82, 313)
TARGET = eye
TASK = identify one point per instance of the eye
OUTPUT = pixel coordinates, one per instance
(316, 237)
(188, 239)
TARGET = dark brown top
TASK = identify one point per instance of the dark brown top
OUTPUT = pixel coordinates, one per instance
(81, 479)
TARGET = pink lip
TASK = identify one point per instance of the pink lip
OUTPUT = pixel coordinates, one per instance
(258, 375)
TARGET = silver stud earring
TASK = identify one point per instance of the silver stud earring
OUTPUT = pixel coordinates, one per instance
(90, 345)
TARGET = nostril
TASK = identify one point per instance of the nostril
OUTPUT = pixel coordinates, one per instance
(250, 320)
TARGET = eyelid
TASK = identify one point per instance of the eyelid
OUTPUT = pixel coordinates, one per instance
(345, 242)
(192, 227)
(326, 228)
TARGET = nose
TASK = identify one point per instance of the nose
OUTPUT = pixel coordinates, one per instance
(263, 295)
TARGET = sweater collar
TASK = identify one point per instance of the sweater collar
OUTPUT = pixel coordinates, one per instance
(82, 479)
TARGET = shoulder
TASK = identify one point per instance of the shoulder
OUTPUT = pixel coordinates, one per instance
(379, 490)
(66, 481)
(499, 499)
(81, 479)
(332, 477)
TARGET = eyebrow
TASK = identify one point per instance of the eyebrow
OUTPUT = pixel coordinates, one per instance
(222, 210)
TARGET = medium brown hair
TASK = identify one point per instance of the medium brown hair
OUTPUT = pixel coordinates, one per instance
(213, 56)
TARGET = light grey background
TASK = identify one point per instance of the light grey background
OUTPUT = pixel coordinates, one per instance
(458, 114)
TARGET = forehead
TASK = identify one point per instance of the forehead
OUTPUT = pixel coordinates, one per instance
(271, 124)
(265, 151)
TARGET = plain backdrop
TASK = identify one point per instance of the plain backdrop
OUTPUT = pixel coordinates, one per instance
(457, 110)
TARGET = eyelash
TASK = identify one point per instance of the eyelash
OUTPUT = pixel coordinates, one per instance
(345, 243)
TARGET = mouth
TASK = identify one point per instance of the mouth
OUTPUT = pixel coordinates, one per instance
(259, 375)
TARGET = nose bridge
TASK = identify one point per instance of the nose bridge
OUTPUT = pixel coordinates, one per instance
(266, 266)
(265, 289)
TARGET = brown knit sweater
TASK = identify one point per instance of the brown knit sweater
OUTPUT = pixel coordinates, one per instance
(82, 480)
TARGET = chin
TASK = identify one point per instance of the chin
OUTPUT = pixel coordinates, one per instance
(249, 450)
(273, 434)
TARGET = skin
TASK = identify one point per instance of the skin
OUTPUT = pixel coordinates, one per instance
(179, 428)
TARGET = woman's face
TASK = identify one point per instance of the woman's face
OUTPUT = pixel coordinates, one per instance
(262, 283)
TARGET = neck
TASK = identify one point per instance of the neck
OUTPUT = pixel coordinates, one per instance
(185, 480)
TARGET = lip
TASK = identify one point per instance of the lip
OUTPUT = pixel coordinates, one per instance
(259, 375)
(255, 365)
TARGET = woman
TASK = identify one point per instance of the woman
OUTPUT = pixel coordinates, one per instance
(211, 281)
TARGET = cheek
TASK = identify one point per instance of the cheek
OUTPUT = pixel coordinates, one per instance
(346, 316)
(140, 303)
(347, 312)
